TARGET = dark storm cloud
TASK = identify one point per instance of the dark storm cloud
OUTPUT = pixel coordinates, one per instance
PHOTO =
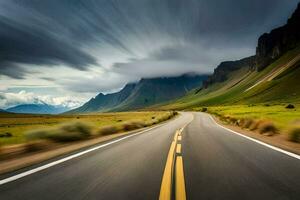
(161, 35)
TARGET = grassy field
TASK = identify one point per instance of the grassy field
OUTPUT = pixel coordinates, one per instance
(282, 117)
(13, 126)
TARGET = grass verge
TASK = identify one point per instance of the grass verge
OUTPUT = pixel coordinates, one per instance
(265, 119)
(40, 139)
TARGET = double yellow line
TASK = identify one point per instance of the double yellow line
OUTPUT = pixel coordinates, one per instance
(173, 177)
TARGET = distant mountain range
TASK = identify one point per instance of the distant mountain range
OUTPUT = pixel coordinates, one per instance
(2, 111)
(270, 76)
(37, 109)
(142, 94)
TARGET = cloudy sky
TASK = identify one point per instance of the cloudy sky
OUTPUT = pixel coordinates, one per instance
(63, 52)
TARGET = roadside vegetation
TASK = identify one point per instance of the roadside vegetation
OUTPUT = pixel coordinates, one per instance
(22, 128)
(265, 119)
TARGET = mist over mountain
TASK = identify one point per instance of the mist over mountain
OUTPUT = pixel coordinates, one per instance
(271, 76)
(144, 93)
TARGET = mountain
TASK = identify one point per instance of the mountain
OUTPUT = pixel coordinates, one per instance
(2, 111)
(144, 93)
(105, 102)
(280, 40)
(37, 109)
(223, 71)
(270, 76)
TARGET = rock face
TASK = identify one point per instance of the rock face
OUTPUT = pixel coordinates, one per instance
(225, 68)
(270, 47)
(274, 44)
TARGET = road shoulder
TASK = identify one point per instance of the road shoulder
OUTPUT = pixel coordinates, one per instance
(29, 159)
(279, 140)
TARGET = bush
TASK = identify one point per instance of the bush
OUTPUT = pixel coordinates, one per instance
(107, 130)
(65, 133)
(255, 125)
(267, 127)
(204, 110)
(34, 146)
(128, 126)
(7, 134)
(294, 134)
(71, 132)
(37, 134)
(290, 106)
(240, 122)
(233, 121)
(247, 123)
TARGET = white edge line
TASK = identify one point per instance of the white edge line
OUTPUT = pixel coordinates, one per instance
(259, 142)
(32, 171)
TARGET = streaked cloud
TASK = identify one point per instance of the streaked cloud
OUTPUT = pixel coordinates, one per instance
(87, 46)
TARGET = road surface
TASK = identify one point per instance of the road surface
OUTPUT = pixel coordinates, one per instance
(211, 163)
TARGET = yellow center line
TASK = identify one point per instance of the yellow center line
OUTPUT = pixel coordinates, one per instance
(178, 148)
(176, 135)
(166, 185)
(179, 138)
(173, 171)
(180, 193)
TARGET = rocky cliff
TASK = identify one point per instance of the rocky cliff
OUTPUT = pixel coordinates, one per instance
(274, 44)
(223, 70)
(270, 46)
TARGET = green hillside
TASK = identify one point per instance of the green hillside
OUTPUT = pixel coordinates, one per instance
(284, 88)
(142, 94)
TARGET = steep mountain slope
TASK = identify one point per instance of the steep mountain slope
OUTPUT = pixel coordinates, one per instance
(152, 91)
(37, 109)
(271, 76)
(273, 45)
(142, 94)
(238, 88)
(105, 102)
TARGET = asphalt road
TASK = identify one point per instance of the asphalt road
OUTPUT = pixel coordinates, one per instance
(218, 164)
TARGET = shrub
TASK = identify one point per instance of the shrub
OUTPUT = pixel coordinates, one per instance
(247, 123)
(34, 146)
(107, 130)
(240, 122)
(71, 132)
(37, 134)
(267, 127)
(290, 106)
(233, 120)
(255, 125)
(204, 110)
(294, 134)
(7, 134)
(128, 126)
(65, 133)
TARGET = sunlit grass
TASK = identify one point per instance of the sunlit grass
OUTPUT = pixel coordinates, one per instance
(282, 117)
(18, 124)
